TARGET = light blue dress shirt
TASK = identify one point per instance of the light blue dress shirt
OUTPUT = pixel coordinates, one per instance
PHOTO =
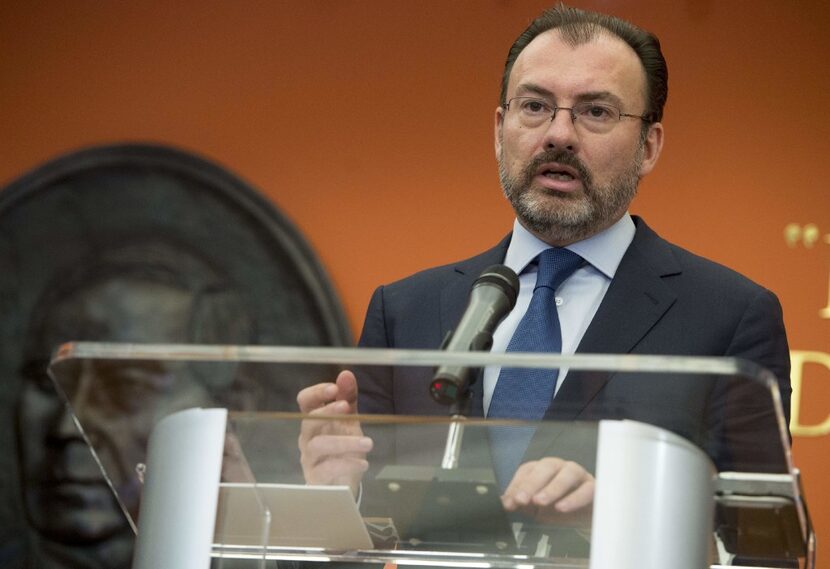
(577, 299)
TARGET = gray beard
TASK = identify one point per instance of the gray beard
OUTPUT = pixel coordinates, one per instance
(558, 217)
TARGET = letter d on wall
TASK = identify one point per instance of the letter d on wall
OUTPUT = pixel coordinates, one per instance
(799, 360)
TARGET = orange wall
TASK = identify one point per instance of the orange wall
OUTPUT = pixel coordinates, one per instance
(369, 124)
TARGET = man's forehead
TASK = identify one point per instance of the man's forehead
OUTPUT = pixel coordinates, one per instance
(603, 63)
(126, 309)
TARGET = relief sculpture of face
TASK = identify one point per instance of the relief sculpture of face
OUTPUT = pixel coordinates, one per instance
(119, 243)
(66, 496)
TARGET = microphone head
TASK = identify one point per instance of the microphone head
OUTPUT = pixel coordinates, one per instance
(502, 277)
(493, 295)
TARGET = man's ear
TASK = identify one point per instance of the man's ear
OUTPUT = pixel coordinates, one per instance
(652, 147)
(497, 126)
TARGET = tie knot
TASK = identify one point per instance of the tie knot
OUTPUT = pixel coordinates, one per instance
(556, 265)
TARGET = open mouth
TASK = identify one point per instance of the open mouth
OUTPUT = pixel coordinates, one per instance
(559, 175)
(557, 171)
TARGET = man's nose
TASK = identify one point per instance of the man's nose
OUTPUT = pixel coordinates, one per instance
(69, 415)
(65, 427)
(560, 132)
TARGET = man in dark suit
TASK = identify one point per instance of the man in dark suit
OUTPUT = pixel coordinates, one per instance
(577, 128)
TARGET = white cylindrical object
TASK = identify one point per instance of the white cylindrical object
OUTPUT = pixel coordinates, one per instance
(654, 501)
(181, 490)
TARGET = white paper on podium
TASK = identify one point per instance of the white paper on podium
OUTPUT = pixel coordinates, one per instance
(178, 502)
(300, 516)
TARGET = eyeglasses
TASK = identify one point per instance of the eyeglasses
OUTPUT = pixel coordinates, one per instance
(591, 115)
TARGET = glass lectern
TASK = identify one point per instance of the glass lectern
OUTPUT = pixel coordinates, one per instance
(668, 461)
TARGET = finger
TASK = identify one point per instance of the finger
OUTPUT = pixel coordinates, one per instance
(567, 478)
(313, 428)
(333, 408)
(530, 478)
(324, 446)
(580, 498)
(316, 396)
(347, 388)
(340, 470)
(513, 497)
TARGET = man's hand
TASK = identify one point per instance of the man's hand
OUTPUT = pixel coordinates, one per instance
(331, 451)
(551, 490)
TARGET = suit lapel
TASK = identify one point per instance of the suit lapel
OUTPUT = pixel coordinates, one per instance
(635, 301)
(454, 299)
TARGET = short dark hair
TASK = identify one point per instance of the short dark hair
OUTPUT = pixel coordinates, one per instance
(580, 26)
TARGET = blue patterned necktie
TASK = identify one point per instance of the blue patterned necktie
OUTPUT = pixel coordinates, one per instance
(526, 393)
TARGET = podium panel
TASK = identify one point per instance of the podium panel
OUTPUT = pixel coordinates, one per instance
(639, 461)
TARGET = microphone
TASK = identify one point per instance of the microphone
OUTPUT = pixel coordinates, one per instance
(493, 295)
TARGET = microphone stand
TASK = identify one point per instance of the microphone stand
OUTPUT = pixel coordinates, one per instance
(458, 413)
(460, 408)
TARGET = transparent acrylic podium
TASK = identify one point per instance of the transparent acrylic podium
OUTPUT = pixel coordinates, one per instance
(681, 462)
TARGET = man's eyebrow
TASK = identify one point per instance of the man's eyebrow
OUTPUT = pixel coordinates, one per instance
(532, 88)
(599, 96)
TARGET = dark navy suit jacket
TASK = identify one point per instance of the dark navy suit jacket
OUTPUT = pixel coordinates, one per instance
(663, 300)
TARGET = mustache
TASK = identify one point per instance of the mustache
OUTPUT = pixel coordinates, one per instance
(562, 157)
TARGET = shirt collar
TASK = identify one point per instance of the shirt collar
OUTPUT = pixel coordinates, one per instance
(604, 251)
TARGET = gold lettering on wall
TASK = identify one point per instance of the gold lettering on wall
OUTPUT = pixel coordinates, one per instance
(799, 359)
(808, 235)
